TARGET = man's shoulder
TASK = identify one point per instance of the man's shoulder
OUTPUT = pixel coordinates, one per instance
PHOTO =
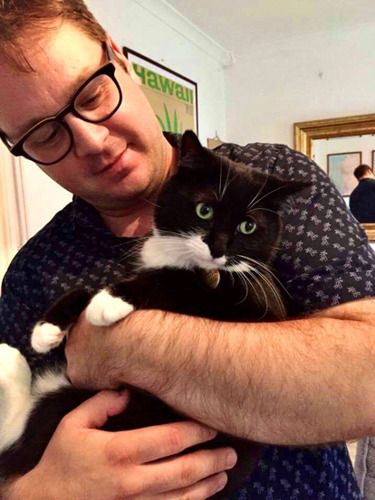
(278, 159)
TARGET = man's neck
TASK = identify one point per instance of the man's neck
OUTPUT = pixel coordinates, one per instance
(136, 223)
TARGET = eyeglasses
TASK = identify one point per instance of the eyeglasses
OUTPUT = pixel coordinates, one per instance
(51, 140)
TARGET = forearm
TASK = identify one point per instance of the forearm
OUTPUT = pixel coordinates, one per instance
(296, 382)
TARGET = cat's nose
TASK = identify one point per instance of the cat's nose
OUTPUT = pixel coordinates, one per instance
(216, 253)
(217, 243)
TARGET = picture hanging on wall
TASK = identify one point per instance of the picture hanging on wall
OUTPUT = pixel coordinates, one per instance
(173, 97)
(340, 168)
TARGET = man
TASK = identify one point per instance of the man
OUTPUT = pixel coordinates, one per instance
(362, 199)
(302, 381)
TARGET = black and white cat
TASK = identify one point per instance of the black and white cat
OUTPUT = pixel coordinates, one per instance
(215, 235)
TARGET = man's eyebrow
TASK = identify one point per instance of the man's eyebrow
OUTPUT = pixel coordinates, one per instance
(68, 94)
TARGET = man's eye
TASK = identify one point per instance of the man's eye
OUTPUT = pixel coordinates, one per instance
(91, 101)
(44, 136)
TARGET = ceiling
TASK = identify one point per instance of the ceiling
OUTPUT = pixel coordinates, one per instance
(238, 25)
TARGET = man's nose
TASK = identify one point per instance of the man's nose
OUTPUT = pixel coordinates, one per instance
(89, 138)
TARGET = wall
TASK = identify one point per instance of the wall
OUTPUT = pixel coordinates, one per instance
(313, 77)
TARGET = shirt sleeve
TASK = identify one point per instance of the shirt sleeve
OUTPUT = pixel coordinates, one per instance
(325, 256)
(19, 311)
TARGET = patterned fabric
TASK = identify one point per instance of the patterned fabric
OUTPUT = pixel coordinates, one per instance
(324, 260)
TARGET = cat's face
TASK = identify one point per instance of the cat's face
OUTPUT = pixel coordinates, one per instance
(216, 214)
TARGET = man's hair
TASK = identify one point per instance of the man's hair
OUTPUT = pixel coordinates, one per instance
(21, 20)
(362, 170)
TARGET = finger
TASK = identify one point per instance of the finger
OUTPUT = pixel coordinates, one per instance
(159, 441)
(94, 412)
(198, 491)
(181, 472)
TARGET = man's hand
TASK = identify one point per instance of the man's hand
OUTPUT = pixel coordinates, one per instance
(84, 462)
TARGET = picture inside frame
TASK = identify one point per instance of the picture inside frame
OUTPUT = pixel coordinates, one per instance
(173, 97)
(340, 168)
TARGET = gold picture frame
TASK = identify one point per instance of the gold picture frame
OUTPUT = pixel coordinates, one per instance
(306, 132)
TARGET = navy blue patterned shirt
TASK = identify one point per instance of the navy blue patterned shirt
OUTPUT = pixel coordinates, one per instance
(325, 260)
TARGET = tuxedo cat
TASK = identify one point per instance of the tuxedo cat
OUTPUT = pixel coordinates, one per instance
(216, 232)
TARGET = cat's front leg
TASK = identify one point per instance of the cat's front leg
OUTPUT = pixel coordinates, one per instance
(106, 309)
(50, 331)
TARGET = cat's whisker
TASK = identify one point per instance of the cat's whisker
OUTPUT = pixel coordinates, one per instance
(213, 191)
(264, 209)
(150, 202)
(267, 268)
(220, 178)
(255, 278)
(258, 193)
(228, 183)
(268, 194)
(131, 242)
(272, 289)
(244, 282)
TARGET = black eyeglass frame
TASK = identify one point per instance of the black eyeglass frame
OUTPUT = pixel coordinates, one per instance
(109, 70)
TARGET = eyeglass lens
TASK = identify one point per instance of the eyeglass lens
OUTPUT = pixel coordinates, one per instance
(95, 103)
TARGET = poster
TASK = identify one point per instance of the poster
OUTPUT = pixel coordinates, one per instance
(172, 96)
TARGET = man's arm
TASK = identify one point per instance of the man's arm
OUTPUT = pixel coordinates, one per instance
(296, 382)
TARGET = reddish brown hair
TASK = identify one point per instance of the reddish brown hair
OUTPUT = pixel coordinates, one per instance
(20, 20)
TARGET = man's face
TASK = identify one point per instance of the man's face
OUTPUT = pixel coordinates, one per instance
(112, 163)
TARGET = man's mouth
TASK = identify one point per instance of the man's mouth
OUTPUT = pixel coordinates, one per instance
(109, 164)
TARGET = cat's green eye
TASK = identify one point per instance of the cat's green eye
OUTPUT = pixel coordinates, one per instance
(204, 211)
(247, 227)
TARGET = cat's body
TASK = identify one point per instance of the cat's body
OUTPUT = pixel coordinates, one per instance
(215, 235)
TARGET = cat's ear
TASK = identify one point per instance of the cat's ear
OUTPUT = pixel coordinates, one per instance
(190, 145)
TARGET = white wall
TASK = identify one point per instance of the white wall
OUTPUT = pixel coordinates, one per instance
(313, 77)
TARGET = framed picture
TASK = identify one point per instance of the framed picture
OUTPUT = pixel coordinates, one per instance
(373, 159)
(173, 97)
(340, 168)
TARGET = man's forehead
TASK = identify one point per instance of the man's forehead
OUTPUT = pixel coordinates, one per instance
(59, 69)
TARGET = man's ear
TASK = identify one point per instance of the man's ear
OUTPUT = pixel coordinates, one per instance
(126, 64)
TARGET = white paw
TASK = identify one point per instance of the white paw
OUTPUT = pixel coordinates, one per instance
(14, 369)
(45, 337)
(104, 309)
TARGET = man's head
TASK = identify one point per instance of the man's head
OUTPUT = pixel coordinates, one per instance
(56, 46)
(21, 21)
(363, 172)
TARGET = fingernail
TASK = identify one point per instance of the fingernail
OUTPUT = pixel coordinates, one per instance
(223, 479)
(231, 459)
(211, 432)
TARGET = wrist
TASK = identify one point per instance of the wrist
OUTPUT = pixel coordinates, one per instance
(28, 487)
(17, 488)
